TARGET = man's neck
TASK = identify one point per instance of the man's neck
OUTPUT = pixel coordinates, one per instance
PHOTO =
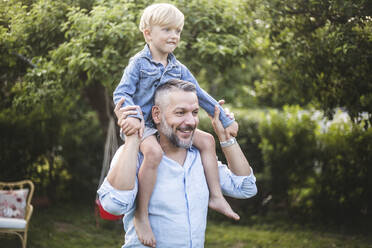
(173, 152)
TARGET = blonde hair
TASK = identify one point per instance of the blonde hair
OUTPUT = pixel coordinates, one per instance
(163, 14)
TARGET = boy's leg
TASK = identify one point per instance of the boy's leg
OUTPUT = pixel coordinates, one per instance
(146, 181)
(207, 147)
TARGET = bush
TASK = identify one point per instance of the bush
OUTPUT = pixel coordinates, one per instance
(289, 148)
(344, 186)
(59, 150)
(302, 168)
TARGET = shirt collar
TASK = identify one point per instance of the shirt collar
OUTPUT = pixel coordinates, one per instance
(146, 53)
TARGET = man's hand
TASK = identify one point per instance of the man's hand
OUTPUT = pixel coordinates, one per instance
(129, 125)
(221, 132)
(118, 109)
(217, 125)
(232, 130)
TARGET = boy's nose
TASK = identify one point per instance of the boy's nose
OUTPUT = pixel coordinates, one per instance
(174, 34)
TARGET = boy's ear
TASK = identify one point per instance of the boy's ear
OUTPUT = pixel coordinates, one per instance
(156, 114)
(147, 34)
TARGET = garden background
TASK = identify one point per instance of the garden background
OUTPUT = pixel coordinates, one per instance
(296, 73)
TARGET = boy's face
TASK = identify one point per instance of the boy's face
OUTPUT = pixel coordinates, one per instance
(163, 39)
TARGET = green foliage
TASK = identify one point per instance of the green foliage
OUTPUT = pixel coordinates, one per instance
(321, 54)
(60, 61)
(343, 184)
(304, 164)
(289, 151)
(220, 34)
(59, 57)
(307, 166)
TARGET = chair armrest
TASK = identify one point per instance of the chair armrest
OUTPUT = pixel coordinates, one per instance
(30, 209)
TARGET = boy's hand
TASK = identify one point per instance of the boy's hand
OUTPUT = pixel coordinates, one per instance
(227, 111)
(131, 125)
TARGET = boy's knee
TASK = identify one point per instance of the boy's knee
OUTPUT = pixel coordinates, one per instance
(153, 155)
(207, 141)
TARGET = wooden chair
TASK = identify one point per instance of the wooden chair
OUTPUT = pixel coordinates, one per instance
(15, 226)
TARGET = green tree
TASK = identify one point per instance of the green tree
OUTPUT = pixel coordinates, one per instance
(62, 59)
(321, 54)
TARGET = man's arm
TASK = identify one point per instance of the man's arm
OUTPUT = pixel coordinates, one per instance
(235, 157)
(122, 174)
(237, 180)
(119, 189)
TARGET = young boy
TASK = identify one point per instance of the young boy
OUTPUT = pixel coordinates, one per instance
(161, 25)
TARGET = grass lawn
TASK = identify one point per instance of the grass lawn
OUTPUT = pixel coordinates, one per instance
(65, 226)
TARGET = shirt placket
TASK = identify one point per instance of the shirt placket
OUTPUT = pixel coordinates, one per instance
(186, 167)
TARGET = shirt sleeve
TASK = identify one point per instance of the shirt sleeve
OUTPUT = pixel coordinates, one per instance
(240, 187)
(205, 100)
(116, 201)
(128, 85)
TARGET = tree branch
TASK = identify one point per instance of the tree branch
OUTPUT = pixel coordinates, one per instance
(23, 58)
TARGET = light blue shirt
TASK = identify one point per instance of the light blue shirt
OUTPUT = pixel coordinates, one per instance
(179, 203)
(143, 76)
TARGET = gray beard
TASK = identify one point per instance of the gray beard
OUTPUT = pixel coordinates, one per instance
(168, 132)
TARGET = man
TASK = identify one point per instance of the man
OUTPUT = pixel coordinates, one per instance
(179, 203)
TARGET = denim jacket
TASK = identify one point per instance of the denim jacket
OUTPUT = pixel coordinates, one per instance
(143, 75)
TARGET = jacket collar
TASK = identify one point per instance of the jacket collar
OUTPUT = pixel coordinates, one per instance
(146, 53)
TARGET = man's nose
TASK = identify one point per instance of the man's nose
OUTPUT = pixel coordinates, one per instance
(190, 119)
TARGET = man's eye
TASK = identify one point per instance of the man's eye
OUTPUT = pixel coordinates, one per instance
(179, 113)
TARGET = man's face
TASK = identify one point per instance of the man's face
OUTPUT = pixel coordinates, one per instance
(179, 118)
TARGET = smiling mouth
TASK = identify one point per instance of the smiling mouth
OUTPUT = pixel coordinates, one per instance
(186, 129)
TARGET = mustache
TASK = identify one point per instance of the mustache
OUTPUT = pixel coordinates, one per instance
(187, 128)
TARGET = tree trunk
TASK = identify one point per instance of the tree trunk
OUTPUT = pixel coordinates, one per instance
(98, 98)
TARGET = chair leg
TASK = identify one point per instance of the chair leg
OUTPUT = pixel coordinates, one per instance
(24, 240)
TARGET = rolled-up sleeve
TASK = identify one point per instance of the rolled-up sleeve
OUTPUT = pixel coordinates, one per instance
(115, 201)
(240, 187)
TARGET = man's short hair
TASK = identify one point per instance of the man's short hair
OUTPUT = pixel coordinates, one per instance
(172, 85)
(163, 14)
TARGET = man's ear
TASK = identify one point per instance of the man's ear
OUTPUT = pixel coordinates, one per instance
(156, 114)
